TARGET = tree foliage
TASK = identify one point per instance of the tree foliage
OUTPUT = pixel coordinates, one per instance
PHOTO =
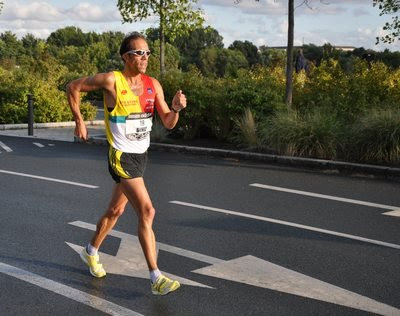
(177, 18)
(248, 49)
(191, 45)
(390, 7)
(221, 62)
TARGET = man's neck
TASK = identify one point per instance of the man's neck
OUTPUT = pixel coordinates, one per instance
(133, 78)
(131, 74)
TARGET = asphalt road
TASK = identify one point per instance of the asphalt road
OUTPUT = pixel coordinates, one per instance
(240, 248)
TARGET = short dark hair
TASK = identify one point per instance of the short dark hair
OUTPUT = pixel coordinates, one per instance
(126, 42)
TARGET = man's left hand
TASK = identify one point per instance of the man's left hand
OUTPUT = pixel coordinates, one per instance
(179, 101)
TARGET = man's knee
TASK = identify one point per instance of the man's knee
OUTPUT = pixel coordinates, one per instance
(147, 213)
(115, 211)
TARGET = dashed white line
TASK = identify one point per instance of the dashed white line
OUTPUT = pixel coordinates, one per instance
(323, 196)
(69, 292)
(39, 145)
(276, 221)
(5, 147)
(49, 179)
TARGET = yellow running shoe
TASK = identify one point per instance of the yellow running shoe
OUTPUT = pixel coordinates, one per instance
(164, 285)
(96, 269)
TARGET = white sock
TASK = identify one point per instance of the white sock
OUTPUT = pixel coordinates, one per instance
(154, 274)
(92, 251)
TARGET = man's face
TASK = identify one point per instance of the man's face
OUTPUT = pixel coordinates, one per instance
(138, 63)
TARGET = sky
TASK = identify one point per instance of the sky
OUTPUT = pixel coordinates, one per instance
(338, 22)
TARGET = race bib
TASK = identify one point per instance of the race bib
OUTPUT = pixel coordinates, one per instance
(138, 126)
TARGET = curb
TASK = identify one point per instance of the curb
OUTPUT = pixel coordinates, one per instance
(4, 127)
(339, 166)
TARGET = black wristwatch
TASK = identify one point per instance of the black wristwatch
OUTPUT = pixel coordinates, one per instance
(176, 111)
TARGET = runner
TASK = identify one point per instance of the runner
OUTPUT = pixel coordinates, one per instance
(129, 100)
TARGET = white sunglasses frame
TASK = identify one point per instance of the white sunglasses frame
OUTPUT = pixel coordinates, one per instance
(134, 52)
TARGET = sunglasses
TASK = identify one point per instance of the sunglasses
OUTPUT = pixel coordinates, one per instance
(139, 52)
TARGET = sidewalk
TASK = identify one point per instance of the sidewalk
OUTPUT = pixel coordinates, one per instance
(65, 132)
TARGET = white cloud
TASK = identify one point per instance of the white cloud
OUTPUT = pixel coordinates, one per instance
(39, 11)
(92, 13)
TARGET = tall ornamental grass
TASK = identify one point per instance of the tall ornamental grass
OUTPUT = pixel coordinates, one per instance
(375, 138)
(313, 134)
(246, 131)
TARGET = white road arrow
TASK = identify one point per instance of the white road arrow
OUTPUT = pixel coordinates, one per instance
(254, 271)
(248, 270)
(129, 260)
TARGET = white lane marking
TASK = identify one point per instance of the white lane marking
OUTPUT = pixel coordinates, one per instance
(393, 213)
(39, 145)
(323, 196)
(5, 147)
(276, 221)
(61, 289)
(51, 145)
(161, 246)
(49, 179)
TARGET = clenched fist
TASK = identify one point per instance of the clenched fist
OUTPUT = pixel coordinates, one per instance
(179, 101)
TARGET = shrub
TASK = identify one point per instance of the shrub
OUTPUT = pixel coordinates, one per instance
(214, 104)
(50, 104)
(246, 130)
(375, 137)
(158, 131)
(309, 135)
(350, 94)
(192, 83)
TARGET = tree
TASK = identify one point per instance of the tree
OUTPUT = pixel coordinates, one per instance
(68, 36)
(221, 62)
(389, 7)
(272, 57)
(1, 6)
(191, 45)
(249, 50)
(177, 17)
(313, 53)
(13, 46)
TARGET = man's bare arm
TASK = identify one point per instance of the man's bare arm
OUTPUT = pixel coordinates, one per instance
(74, 88)
(169, 118)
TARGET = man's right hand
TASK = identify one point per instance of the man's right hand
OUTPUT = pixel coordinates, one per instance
(81, 130)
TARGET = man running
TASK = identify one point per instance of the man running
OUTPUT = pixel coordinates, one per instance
(129, 101)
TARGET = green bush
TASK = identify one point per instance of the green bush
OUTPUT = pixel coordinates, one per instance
(50, 103)
(375, 137)
(349, 94)
(158, 132)
(11, 113)
(214, 104)
(311, 135)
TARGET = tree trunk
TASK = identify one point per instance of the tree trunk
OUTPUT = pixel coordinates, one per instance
(289, 51)
(162, 39)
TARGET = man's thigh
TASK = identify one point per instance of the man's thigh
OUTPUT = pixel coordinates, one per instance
(136, 192)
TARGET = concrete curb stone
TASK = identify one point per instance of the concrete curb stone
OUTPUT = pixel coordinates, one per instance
(383, 171)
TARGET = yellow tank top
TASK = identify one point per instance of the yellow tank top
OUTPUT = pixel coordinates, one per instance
(129, 124)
